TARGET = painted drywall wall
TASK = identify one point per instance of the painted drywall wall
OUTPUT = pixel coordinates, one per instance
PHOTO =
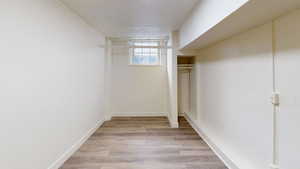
(172, 88)
(287, 49)
(136, 90)
(51, 70)
(194, 99)
(206, 14)
(234, 83)
(233, 80)
(172, 97)
(108, 75)
(183, 91)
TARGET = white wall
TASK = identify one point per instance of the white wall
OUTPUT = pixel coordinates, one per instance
(172, 88)
(108, 77)
(172, 97)
(206, 14)
(183, 91)
(287, 83)
(51, 71)
(234, 84)
(234, 80)
(136, 90)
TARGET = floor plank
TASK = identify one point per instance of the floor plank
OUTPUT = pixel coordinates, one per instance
(144, 143)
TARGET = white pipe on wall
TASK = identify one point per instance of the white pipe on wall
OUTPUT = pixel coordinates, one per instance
(275, 160)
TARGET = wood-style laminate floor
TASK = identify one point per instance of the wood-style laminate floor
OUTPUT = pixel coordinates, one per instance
(144, 143)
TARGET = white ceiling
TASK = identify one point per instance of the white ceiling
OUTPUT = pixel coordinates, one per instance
(130, 18)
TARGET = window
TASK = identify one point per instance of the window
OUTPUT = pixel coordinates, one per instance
(145, 53)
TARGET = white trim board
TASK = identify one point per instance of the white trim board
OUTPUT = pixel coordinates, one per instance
(173, 124)
(229, 163)
(139, 114)
(181, 114)
(67, 154)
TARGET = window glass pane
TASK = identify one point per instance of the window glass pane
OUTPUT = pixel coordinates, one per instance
(137, 50)
(135, 60)
(139, 60)
(146, 50)
(145, 55)
(153, 50)
(153, 60)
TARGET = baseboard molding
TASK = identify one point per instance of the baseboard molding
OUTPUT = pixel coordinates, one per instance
(173, 124)
(107, 117)
(181, 114)
(225, 159)
(66, 155)
(139, 114)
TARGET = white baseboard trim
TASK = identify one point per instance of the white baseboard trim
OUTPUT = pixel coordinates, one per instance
(229, 163)
(67, 154)
(139, 114)
(107, 117)
(173, 124)
(181, 114)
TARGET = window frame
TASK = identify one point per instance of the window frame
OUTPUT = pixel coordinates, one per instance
(133, 46)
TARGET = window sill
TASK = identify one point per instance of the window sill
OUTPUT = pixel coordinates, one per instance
(133, 65)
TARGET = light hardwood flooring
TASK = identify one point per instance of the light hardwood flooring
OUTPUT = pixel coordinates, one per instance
(144, 143)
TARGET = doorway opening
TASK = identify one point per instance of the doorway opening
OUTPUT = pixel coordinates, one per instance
(185, 67)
